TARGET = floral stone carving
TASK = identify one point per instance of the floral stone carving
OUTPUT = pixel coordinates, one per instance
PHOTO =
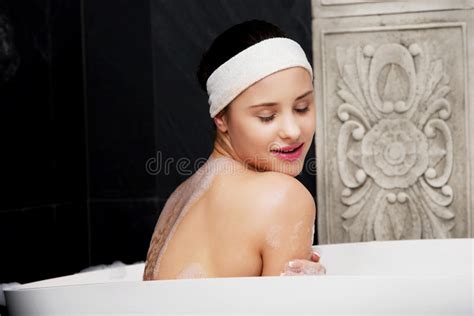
(390, 161)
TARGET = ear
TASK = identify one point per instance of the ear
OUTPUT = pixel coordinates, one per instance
(221, 122)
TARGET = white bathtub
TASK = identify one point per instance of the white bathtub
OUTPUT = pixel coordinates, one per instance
(420, 277)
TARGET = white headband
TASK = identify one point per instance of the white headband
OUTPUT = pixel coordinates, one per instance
(249, 66)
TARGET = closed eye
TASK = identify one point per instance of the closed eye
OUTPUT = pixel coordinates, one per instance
(270, 118)
(306, 109)
(266, 119)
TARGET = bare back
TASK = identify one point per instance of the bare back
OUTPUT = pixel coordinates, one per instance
(200, 232)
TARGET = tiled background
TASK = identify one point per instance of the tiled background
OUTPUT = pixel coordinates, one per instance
(98, 92)
(43, 205)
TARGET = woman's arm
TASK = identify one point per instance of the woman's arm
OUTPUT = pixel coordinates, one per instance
(286, 222)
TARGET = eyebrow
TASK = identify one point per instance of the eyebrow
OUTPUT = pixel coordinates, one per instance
(274, 103)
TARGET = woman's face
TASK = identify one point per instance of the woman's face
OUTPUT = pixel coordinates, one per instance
(275, 112)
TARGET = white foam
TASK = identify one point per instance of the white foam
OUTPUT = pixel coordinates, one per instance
(273, 236)
(192, 271)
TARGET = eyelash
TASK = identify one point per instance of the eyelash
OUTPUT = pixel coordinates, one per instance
(270, 118)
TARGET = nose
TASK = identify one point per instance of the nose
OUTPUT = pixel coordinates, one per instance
(290, 128)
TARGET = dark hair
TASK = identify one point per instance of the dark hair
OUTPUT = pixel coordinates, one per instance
(233, 41)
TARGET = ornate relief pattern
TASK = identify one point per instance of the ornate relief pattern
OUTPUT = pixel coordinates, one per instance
(394, 148)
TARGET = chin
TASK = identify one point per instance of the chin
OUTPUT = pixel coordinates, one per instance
(291, 168)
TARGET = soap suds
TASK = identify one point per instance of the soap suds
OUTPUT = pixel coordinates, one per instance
(295, 234)
(193, 271)
(273, 237)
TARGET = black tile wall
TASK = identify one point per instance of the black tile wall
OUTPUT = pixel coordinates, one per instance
(68, 127)
(72, 238)
(25, 112)
(27, 235)
(122, 229)
(119, 98)
(43, 210)
(42, 242)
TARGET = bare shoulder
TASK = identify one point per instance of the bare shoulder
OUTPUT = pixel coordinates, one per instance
(282, 194)
(262, 192)
(268, 197)
(277, 179)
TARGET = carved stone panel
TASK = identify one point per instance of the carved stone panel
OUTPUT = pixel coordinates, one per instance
(393, 132)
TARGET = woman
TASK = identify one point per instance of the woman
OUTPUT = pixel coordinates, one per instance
(243, 213)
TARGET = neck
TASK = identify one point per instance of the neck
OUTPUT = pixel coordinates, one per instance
(223, 148)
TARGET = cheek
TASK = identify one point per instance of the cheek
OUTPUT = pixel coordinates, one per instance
(252, 137)
(309, 123)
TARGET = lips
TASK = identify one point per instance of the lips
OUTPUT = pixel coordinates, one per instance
(288, 149)
(289, 153)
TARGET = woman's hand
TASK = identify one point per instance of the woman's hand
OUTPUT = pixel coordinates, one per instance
(305, 267)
